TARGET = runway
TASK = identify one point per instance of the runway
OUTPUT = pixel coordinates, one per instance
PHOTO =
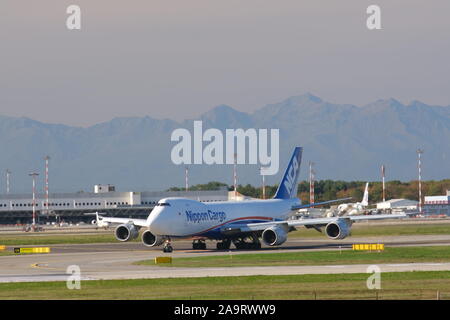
(114, 260)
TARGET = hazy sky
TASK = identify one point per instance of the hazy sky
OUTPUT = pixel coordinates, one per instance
(179, 58)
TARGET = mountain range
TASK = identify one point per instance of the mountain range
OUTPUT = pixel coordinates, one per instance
(345, 142)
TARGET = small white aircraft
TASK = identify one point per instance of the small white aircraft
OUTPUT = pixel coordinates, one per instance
(242, 223)
(351, 209)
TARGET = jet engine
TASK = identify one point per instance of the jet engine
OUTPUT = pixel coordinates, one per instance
(126, 232)
(337, 230)
(151, 240)
(274, 236)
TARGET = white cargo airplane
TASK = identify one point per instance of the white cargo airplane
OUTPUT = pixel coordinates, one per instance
(239, 222)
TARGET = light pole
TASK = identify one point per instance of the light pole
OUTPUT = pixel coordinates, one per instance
(186, 173)
(235, 176)
(33, 176)
(47, 158)
(419, 154)
(261, 169)
(311, 182)
(8, 174)
(383, 172)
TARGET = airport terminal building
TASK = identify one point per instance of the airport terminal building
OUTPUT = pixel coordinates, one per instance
(437, 205)
(18, 208)
(398, 206)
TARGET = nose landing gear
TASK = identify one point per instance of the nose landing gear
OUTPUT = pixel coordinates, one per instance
(167, 246)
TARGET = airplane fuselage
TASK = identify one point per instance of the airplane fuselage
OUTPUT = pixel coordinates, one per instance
(181, 217)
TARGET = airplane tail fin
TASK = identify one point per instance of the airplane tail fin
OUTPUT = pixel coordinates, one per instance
(365, 200)
(98, 217)
(288, 185)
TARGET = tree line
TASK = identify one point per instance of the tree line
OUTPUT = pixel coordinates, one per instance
(332, 189)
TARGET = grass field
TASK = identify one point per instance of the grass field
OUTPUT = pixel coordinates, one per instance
(389, 255)
(358, 230)
(43, 239)
(405, 285)
(6, 253)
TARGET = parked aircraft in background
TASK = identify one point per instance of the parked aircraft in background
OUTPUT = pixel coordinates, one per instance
(99, 220)
(350, 209)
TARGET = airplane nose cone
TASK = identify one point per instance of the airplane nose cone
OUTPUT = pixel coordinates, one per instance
(156, 225)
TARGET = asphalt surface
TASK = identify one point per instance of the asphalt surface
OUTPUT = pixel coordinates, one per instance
(115, 260)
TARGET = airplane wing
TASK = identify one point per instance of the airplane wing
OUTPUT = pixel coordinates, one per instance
(316, 222)
(303, 206)
(136, 222)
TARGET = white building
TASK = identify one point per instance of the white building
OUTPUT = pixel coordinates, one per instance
(103, 188)
(236, 196)
(74, 205)
(436, 205)
(398, 205)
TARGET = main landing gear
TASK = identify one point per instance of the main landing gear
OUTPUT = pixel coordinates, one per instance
(224, 245)
(198, 245)
(247, 242)
(167, 246)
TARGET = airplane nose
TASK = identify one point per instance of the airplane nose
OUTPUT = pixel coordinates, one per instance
(155, 224)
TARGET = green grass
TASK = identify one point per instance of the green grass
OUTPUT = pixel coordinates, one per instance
(366, 230)
(404, 285)
(389, 255)
(42, 239)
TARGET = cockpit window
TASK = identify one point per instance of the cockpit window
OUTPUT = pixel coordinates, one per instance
(163, 204)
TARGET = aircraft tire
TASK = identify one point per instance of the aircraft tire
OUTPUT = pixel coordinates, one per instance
(199, 246)
(224, 245)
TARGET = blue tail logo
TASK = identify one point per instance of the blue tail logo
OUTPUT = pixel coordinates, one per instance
(288, 186)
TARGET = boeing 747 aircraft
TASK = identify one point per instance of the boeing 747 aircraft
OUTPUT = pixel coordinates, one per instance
(242, 223)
